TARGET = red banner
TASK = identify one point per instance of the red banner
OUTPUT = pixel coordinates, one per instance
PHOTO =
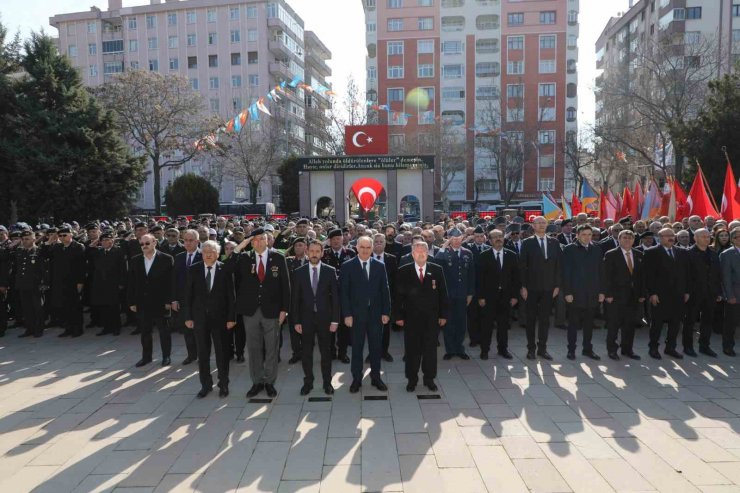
(530, 215)
(460, 214)
(365, 139)
(487, 214)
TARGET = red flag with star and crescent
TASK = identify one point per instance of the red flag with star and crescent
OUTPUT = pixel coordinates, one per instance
(365, 140)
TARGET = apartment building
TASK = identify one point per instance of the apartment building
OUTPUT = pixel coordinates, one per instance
(231, 51)
(501, 68)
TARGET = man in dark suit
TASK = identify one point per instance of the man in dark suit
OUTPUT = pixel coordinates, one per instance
(475, 311)
(565, 237)
(624, 292)
(391, 245)
(67, 273)
(183, 261)
(366, 308)
(171, 244)
(315, 313)
(208, 310)
(264, 300)
(150, 294)
(336, 255)
(666, 269)
(497, 289)
(422, 309)
(389, 262)
(612, 240)
(539, 263)
(298, 260)
(108, 279)
(582, 289)
(730, 264)
(705, 289)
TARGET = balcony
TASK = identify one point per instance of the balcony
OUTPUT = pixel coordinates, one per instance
(318, 64)
(281, 70)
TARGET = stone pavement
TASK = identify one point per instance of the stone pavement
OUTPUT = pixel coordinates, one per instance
(75, 415)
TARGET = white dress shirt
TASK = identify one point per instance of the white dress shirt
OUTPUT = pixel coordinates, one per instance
(422, 267)
(380, 258)
(262, 256)
(213, 274)
(500, 254)
(544, 242)
(148, 263)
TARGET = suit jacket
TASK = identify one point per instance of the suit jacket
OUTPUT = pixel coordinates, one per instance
(326, 300)
(180, 272)
(150, 292)
(108, 274)
(513, 246)
(667, 277)
(566, 241)
(538, 273)
(608, 243)
(391, 267)
(730, 263)
(363, 299)
(618, 282)
(582, 274)
(414, 298)
(67, 268)
(272, 295)
(705, 274)
(171, 251)
(493, 283)
(330, 258)
(199, 304)
(394, 248)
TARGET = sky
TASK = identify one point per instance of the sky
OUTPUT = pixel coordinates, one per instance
(340, 25)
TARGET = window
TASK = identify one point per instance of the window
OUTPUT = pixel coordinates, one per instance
(547, 66)
(92, 48)
(452, 47)
(213, 83)
(212, 38)
(515, 68)
(134, 65)
(254, 80)
(570, 114)
(450, 24)
(172, 42)
(192, 39)
(395, 24)
(395, 48)
(515, 42)
(425, 46)
(395, 4)
(113, 46)
(515, 19)
(572, 66)
(172, 19)
(132, 23)
(486, 92)
(92, 71)
(372, 73)
(154, 65)
(487, 186)
(194, 85)
(425, 70)
(191, 17)
(395, 72)
(236, 81)
(736, 10)
(152, 43)
(486, 22)
(371, 27)
(192, 62)
(71, 29)
(426, 23)
(572, 41)
(236, 59)
(547, 17)
(397, 140)
(547, 90)
(486, 46)
(571, 90)
(547, 136)
(236, 103)
(515, 91)
(92, 27)
(453, 93)
(252, 35)
(425, 3)
(547, 42)
(213, 61)
(547, 184)
(252, 58)
(370, 4)
(235, 36)
(251, 12)
(487, 69)
(112, 67)
(395, 95)
(452, 71)
(573, 16)
(174, 64)
(547, 114)
(234, 13)
(72, 51)
(211, 15)
(692, 37)
(453, 3)
(455, 117)
(215, 106)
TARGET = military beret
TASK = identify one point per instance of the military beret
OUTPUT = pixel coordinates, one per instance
(257, 231)
(15, 234)
(26, 233)
(646, 234)
(335, 232)
(64, 230)
(625, 219)
(565, 222)
(490, 227)
(139, 225)
(479, 229)
(518, 219)
(300, 239)
(454, 233)
(513, 228)
(106, 236)
(90, 226)
(156, 228)
(52, 230)
(302, 221)
(499, 220)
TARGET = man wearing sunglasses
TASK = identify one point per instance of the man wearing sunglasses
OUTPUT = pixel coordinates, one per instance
(150, 294)
(171, 244)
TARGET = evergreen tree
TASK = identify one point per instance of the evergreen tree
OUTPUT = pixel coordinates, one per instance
(289, 191)
(191, 194)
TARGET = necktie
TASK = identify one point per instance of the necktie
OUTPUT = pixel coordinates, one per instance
(498, 259)
(670, 253)
(377, 257)
(421, 275)
(208, 279)
(190, 259)
(364, 269)
(630, 266)
(260, 269)
(315, 280)
(542, 245)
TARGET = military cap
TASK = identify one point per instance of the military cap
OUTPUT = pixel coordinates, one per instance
(15, 234)
(90, 226)
(490, 227)
(525, 226)
(106, 236)
(139, 225)
(454, 233)
(302, 221)
(646, 234)
(26, 232)
(299, 239)
(499, 220)
(625, 219)
(335, 232)
(565, 222)
(52, 230)
(238, 229)
(65, 230)
(257, 231)
(479, 229)
(212, 232)
(514, 228)
(518, 219)
(551, 228)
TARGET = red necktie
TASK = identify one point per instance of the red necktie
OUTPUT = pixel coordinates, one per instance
(260, 269)
(421, 275)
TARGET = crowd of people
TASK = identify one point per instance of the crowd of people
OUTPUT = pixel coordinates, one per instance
(233, 286)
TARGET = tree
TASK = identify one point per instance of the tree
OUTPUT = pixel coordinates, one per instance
(191, 194)
(290, 192)
(580, 154)
(715, 129)
(351, 111)
(161, 115)
(65, 159)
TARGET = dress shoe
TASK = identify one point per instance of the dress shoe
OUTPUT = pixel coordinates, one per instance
(545, 355)
(355, 387)
(614, 356)
(654, 354)
(135, 332)
(591, 355)
(25, 334)
(293, 360)
(630, 355)
(430, 385)
(505, 354)
(388, 358)
(306, 389)
(66, 333)
(166, 361)
(328, 389)
(38, 334)
(240, 358)
(531, 355)
(102, 333)
(75, 334)
(673, 353)
(223, 392)
(447, 357)
(256, 389)
(204, 392)
(689, 352)
(270, 390)
(729, 352)
(484, 355)
(142, 362)
(344, 359)
(410, 387)
(464, 356)
(378, 384)
(473, 344)
(571, 355)
(188, 360)
(707, 351)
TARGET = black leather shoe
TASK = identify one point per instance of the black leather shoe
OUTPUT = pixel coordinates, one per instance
(142, 362)
(729, 352)
(430, 385)
(75, 334)
(240, 358)
(344, 359)
(410, 387)
(531, 355)
(614, 356)
(166, 361)
(707, 351)
(306, 389)
(447, 357)
(270, 390)
(204, 392)
(631, 355)
(102, 333)
(591, 355)
(293, 360)
(378, 384)
(388, 358)
(484, 355)
(473, 344)
(25, 334)
(135, 332)
(505, 354)
(654, 354)
(223, 392)
(355, 387)
(66, 333)
(673, 353)
(464, 356)
(38, 334)
(328, 389)
(571, 355)
(689, 352)
(188, 360)
(545, 355)
(256, 389)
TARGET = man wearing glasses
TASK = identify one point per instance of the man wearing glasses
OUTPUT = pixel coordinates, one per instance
(171, 244)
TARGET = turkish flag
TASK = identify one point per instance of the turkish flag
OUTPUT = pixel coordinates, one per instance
(699, 201)
(365, 139)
